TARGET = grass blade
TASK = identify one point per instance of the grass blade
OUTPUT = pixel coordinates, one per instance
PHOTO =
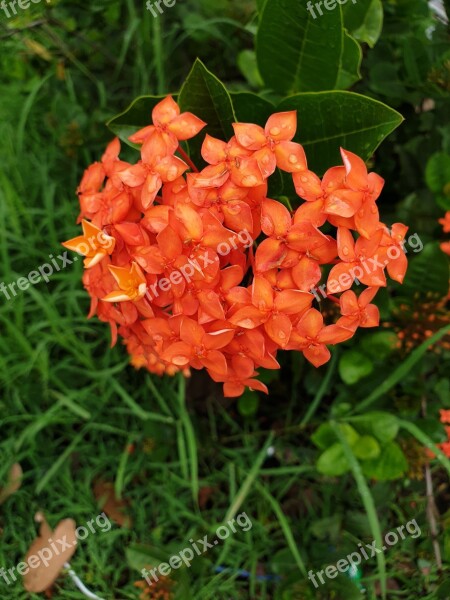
(402, 370)
(286, 528)
(426, 441)
(368, 503)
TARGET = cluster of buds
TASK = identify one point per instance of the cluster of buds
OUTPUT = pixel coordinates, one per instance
(202, 270)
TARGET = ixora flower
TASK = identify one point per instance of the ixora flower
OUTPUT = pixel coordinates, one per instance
(201, 270)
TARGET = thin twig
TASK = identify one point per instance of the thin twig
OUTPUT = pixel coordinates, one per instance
(431, 505)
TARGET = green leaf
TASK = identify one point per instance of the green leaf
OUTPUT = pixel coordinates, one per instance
(437, 172)
(354, 366)
(250, 108)
(135, 117)
(428, 272)
(333, 461)
(206, 96)
(299, 50)
(391, 464)
(140, 556)
(382, 425)
(248, 403)
(366, 448)
(325, 436)
(385, 80)
(249, 68)
(364, 20)
(378, 346)
(328, 120)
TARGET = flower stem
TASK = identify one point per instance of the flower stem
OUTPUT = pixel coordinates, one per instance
(187, 159)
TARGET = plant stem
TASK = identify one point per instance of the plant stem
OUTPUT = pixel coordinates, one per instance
(431, 504)
(187, 159)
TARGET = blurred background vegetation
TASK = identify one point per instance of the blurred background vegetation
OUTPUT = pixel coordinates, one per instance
(72, 412)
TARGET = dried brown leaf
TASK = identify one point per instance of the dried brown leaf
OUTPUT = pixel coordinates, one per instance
(48, 553)
(13, 484)
(114, 508)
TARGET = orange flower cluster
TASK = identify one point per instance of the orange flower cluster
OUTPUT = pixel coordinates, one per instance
(444, 446)
(172, 261)
(445, 222)
(445, 419)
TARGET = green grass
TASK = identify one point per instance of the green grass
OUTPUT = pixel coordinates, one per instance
(70, 406)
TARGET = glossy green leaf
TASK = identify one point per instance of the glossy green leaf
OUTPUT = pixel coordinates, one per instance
(299, 50)
(391, 464)
(206, 96)
(333, 461)
(135, 117)
(364, 20)
(251, 108)
(328, 120)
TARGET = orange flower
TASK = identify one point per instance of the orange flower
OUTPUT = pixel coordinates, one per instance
(359, 261)
(271, 309)
(445, 222)
(169, 127)
(346, 195)
(272, 146)
(150, 174)
(199, 348)
(445, 247)
(311, 337)
(358, 312)
(368, 186)
(227, 161)
(444, 416)
(392, 252)
(287, 241)
(94, 244)
(131, 281)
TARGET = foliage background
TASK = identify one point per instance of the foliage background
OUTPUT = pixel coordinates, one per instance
(71, 408)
